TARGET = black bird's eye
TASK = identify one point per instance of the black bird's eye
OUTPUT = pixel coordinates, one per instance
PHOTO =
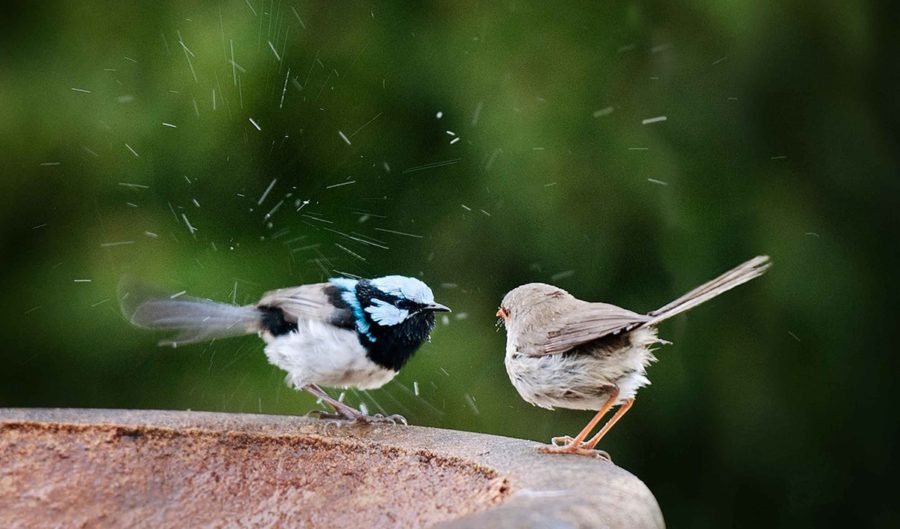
(405, 304)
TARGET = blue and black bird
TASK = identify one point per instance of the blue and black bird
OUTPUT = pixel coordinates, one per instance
(346, 333)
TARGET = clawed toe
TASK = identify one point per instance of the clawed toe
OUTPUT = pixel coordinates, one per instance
(381, 419)
(562, 440)
(571, 448)
(602, 454)
(326, 416)
(356, 418)
(397, 419)
(343, 417)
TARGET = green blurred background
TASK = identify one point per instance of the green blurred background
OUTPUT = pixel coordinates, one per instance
(479, 146)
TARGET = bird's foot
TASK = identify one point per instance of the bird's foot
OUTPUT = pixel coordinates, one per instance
(327, 416)
(566, 445)
(381, 419)
(562, 440)
(350, 416)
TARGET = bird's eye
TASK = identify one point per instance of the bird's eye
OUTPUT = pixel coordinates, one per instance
(405, 304)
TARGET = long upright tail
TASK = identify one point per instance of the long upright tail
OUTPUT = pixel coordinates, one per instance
(194, 319)
(737, 276)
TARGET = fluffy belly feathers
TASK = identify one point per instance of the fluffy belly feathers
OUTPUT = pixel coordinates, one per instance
(319, 353)
(583, 379)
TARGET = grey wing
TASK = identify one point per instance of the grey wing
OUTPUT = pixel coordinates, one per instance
(308, 302)
(588, 322)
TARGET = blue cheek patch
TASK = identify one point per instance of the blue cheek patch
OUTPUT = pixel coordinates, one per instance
(348, 294)
(386, 314)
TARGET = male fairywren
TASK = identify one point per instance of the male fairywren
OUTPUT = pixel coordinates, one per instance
(346, 333)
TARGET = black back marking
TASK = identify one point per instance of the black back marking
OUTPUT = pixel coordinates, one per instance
(273, 320)
(343, 314)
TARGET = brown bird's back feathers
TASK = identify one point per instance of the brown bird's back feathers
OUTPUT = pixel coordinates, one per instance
(589, 322)
(584, 322)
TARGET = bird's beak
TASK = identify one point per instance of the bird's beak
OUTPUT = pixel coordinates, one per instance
(501, 313)
(437, 307)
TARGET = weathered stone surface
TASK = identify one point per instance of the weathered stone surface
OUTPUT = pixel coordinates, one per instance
(120, 468)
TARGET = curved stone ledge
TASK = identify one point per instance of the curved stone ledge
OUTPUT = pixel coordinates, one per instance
(124, 468)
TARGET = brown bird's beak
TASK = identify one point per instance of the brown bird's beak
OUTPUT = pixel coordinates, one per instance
(501, 313)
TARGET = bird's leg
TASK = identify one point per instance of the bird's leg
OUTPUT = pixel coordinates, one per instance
(347, 412)
(343, 410)
(576, 446)
(623, 409)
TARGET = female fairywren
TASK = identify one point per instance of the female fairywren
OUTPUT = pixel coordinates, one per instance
(567, 353)
(346, 333)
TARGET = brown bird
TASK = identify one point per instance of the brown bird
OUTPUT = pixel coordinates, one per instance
(567, 353)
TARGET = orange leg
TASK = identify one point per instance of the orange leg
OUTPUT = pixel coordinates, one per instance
(623, 409)
(575, 446)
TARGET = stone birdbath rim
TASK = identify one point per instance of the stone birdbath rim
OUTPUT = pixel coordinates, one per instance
(444, 478)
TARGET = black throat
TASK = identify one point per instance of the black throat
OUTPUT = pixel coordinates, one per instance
(395, 345)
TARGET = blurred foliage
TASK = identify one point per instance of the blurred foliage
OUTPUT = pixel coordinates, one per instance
(505, 142)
